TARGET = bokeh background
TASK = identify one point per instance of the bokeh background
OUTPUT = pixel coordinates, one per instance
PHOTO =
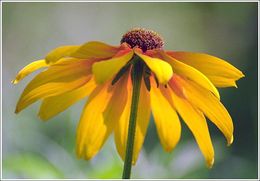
(36, 149)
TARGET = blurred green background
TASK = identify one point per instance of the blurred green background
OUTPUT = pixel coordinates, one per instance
(35, 149)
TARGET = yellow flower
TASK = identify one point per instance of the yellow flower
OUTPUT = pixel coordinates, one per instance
(173, 82)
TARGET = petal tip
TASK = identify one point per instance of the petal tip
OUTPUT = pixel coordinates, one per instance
(161, 68)
(78, 150)
(87, 157)
(17, 109)
(85, 152)
(210, 163)
(15, 81)
(82, 153)
(168, 149)
(230, 141)
(43, 117)
(235, 85)
(89, 154)
(133, 162)
(240, 76)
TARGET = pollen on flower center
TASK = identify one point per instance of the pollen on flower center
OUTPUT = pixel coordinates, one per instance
(142, 38)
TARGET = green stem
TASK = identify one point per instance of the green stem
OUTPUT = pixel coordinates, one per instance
(137, 73)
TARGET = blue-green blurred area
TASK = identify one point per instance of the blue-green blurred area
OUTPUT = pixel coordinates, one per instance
(37, 149)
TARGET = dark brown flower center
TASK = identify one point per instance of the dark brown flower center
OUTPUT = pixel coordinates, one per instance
(142, 38)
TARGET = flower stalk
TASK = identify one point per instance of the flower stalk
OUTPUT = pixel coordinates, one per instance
(136, 75)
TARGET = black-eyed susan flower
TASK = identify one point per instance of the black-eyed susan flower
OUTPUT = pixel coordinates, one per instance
(171, 85)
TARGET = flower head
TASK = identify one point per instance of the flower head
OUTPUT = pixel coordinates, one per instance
(173, 82)
(143, 39)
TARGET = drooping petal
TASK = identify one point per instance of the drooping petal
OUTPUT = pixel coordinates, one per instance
(48, 90)
(52, 106)
(100, 116)
(162, 69)
(65, 70)
(196, 122)
(191, 73)
(105, 70)
(59, 78)
(60, 52)
(210, 106)
(219, 72)
(93, 129)
(95, 49)
(142, 120)
(89, 50)
(165, 117)
(29, 69)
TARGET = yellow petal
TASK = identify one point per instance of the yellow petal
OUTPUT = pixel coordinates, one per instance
(196, 122)
(165, 117)
(59, 78)
(29, 69)
(100, 116)
(105, 70)
(89, 50)
(210, 106)
(162, 69)
(95, 49)
(52, 106)
(65, 70)
(93, 129)
(60, 52)
(222, 81)
(219, 72)
(142, 120)
(191, 73)
(48, 90)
